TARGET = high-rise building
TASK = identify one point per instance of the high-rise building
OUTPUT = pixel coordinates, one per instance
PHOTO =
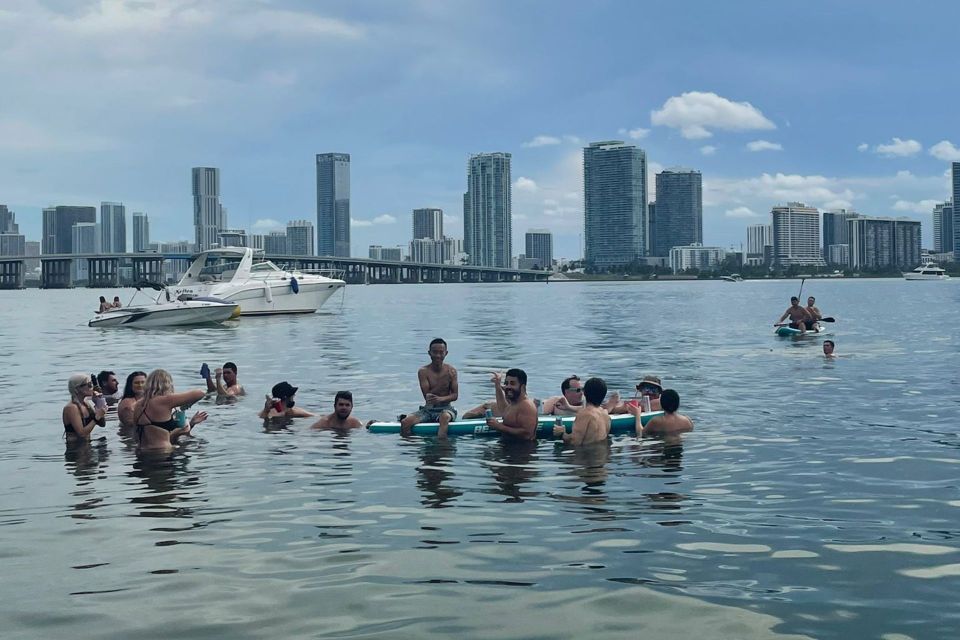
(333, 204)
(651, 227)
(209, 216)
(884, 242)
(375, 252)
(141, 232)
(300, 238)
(58, 227)
(453, 251)
(113, 227)
(275, 243)
(84, 239)
(487, 210)
(955, 190)
(679, 214)
(758, 237)
(839, 254)
(426, 251)
(32, 252)
(256, 241)
(428, 223)
(796, 235)
(394, 254)
(8, 222)
(539, 247)
(615, 203)
(232, 238)
(836, 231)
(12, 245)
(943, 227)
(695, 256)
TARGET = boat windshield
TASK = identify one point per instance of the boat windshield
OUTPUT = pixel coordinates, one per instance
(218, 268)
(264, 267)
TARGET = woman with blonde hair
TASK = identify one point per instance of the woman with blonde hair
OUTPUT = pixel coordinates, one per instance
(79, 420)
(132, 392)
(156, 426)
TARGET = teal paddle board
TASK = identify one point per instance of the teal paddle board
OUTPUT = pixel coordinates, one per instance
(790, 331)
(621, 423)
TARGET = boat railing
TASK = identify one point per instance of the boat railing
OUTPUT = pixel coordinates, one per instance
(335, 274)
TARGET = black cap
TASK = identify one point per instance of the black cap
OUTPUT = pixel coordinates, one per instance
(283, 390)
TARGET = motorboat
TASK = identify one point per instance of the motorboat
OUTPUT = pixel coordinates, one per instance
(259, 287)
(733, 277)
(928, 271)
(164, 311)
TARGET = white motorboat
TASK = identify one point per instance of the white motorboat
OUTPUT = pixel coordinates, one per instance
(166, 313)
(260, 288)
(928, 271)
(733, 277)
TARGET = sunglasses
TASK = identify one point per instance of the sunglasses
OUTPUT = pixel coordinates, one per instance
(575, 389)
(647, 388)
(86, 384)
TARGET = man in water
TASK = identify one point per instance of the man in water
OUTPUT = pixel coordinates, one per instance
(518, 411)
(109, 387)
(570, 400)
(670, 423)
(438, 383)
(280, 403)
(481, 410)
(814, 312)
(225, 382)
(828, 346)
(593, 422)
(798, 315)
(649, 387)
(340, 419)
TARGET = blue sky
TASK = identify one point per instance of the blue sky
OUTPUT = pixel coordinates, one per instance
(836, 104)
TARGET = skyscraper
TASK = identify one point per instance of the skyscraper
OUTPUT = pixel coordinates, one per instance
(275, 243)
(615, 203)
(884, 242)
(12, 243)
(333, 204)
(487, 210)
(141, 232)
(943, 227)
(428, 223)
(83, 240)
(300, 238)
(679, 215)
(427, 251)
(8, 220)
(209, 218)
(955, 184)
(796, 235)
(759, 237)
(539, 247)
(113, 227)
(836, 232)
(58, 227)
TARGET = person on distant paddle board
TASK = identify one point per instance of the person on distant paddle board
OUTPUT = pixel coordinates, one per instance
(814, 312)
(798, 315)
(438, 383)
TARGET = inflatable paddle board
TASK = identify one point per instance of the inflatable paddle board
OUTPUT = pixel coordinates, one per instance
(620, 423)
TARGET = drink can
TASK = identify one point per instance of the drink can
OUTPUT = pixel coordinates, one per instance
(559, 421)
(488, 413)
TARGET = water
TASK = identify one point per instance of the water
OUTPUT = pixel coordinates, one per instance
(814, 499)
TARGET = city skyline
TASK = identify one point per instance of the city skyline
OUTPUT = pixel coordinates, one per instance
(757, 138)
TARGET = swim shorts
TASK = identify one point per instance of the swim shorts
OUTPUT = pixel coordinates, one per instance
(431, 412)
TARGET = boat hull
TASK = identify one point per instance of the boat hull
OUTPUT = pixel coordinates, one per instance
(254, 299)
(178, 316)
(917, 276)
(622, 423)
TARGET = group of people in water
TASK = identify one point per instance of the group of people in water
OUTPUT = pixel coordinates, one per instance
(152, 411)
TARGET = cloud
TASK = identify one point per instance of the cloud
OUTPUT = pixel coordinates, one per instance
(763, 145)
(542, 141)
(923, 206)
(634, 134)
(944, 150)
(573, 139)
(863, 146)
(696, 112)
(525, 184)
(899, 148)
(741, 212)
(386, 218)
(708, 150)
(773, 188)
(266, 225)
(21, 135)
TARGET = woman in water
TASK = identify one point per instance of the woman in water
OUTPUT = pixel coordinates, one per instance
(156, 426)
(79, 420)
(132, 392)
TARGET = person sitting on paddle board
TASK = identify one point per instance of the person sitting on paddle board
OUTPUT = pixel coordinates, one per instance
(438, 383)
(814, 312)
(519, 412)
(798, 315)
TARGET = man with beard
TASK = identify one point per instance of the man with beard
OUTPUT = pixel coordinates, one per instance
(340, 419)
(520, 415)
(109, 387)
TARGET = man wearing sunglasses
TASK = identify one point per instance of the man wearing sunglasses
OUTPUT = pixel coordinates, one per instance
(570, 400)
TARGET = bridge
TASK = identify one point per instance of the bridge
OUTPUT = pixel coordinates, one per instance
(56, 270)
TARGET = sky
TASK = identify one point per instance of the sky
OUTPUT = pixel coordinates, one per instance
(847, 104)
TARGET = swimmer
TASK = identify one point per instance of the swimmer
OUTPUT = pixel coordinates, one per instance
(340, 419)
(79, 419)
(668, 424)
(280, 404)
(225, 381)
(592, 423)
(132, 392)
(519, 412)
(157, 428)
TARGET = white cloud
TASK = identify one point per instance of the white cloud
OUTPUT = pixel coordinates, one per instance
(638, 133)
(899, 148)
(764, 145)
(923, 206)
(573, 139)
(542, 141)
(944, 150)
(266, 225)
(863, 146)
(741, 212)
(385, 218)
(708, 150)
(770, 189)
(360, 223)
(696, 112)
(525, 184)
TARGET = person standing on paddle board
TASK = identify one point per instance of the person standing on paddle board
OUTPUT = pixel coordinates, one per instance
(438, 383)
(520, 415)
(798, 315)
(814, 313)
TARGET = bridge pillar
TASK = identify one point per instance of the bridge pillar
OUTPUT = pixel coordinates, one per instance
(55, 273)
(150, 269)
(11, 274)
(103, 272)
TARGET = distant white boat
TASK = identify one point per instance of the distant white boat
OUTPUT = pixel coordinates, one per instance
(928, 271)
(733, 277)
(166, 313)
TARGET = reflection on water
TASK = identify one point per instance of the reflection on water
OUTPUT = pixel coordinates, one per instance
(436, 472)
(513, 465)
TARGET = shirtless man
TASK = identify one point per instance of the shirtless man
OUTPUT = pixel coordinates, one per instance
(438, 383)
(280, 403)
(814, 312)
(670, 423)
(340, 419)
(593, 422)
(570, 400)
(225, 383)
(798, 315)
(518, 411)
(828, 347)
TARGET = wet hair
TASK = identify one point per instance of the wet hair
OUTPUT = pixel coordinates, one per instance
(438, 341)
(159, 383)
(345, 395)
(670, 400)
(103, 376)
(832, 343)
(73, 386)
(128, 386)
(231, 366)
(566, 383)
(594, 391)
(519, 374)
(794, 299)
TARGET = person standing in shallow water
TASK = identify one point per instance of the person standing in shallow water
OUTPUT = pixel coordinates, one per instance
(79, 419)
(671, 423)
(593, 422)
(828, 346)
(439, 386)
(520, 415)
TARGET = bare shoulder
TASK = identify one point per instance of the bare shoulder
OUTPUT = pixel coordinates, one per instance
(449, 369)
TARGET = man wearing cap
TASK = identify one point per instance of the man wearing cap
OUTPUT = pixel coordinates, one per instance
(280, 403)
(649, 387)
